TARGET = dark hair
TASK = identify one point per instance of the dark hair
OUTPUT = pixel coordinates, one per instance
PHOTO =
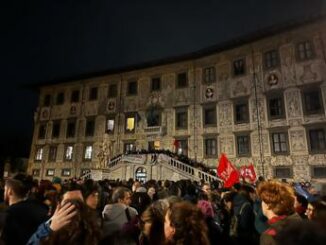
(189, 224)
(21, 184)
(82, 230)
(90, 186)
(301, 233)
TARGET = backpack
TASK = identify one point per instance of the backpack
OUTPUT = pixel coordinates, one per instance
(235, 219)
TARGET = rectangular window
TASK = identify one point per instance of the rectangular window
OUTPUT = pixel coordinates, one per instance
(42, 131)
(279, 142)
(56, 130)
(182, 147)
(74, 96)
(156, 84)
(110, 125)
(53, 153)
(243, 145)
(241, 112)
(317, 140)
(36, 172)
(93, 93)
(181, 117)
(129, 147)
(182, 80)
(88, 152)
(312, 101)
(39, 154)
(50, 172)
(113, 91)
(65, 172)
(130, 123)
(318, 171)
(305, 50)
(60, 98)
(90, 128)
(271, 59)
(276, 107)
(69, 152)
(132, 88)
(239, 67)
(283, 172)
(209, 74)
(71, 129)
(210, 116)
(153, 117)
(47, 100)
(210, 147)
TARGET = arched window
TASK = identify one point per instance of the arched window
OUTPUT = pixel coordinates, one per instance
(141, 174)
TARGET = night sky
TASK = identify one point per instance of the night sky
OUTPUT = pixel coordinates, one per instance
(46, 40)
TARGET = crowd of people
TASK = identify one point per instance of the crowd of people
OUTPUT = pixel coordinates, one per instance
(186, 212)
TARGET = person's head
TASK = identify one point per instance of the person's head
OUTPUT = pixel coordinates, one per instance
(277, 198)
(122, 195)
(227, 200)
(301, 233)
(91, 193)
(184, 224)
(316, 211)
(152, 224)
(300, 202)
(72, 191)
(17, 188)
(135, 185)
(151, 192)
(83, 228)
(206, 187)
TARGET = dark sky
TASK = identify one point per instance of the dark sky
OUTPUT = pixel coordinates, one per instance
(44, 40)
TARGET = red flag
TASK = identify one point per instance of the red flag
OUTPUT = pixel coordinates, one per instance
(227, 172)
(248, 173)
(176, 144)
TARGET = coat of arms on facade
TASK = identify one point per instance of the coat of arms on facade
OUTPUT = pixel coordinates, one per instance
(209, 93)
(111, 106)
(272, 79)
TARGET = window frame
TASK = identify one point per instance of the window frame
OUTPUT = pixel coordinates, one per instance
(179, 82)
(93, 128)
(209, 75)
(312, 171)
(184, 140)
(110, 117)
(72, 153)
(88, 159)
(208, 151)
(178, 111)
(60, 98)
(316, 128)
(130, 86)
(68, 133)
(238, 73)
(241, 102)
(48, 170)
(290, 176)
(47, 99)
(274, 61)
(237, 137)
(206, 108)
(39, 156)
(75, 96)
(52, 157)
(56, 125)
(275, 95)
(113, 94)
(279, 132)
(307, 90)
(63, 174)
(305, 51)
(93, 93)
(153, 86)
(127, 116)
(39, 136)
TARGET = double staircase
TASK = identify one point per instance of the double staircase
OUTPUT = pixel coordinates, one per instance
(158, 166)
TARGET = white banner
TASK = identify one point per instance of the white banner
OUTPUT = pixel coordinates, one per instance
(137, 159)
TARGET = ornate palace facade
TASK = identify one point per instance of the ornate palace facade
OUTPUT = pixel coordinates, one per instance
(260, 100)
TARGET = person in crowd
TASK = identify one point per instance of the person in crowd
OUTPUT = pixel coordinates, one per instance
(278, 206)
(316, 211)
(140, 199)
(90, 191)
(301, 233)
(300, 205)
(23, 215)
(206, 188)
(242, 228)
(184, 223)
(164, 192)
(152, 225)
(117, 215)
(81, 227)
(152, 193)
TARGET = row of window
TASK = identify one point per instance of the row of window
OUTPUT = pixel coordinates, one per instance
(68, 153)
(305, 51)
(279, 145)
(64, 172)
(312, 103)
